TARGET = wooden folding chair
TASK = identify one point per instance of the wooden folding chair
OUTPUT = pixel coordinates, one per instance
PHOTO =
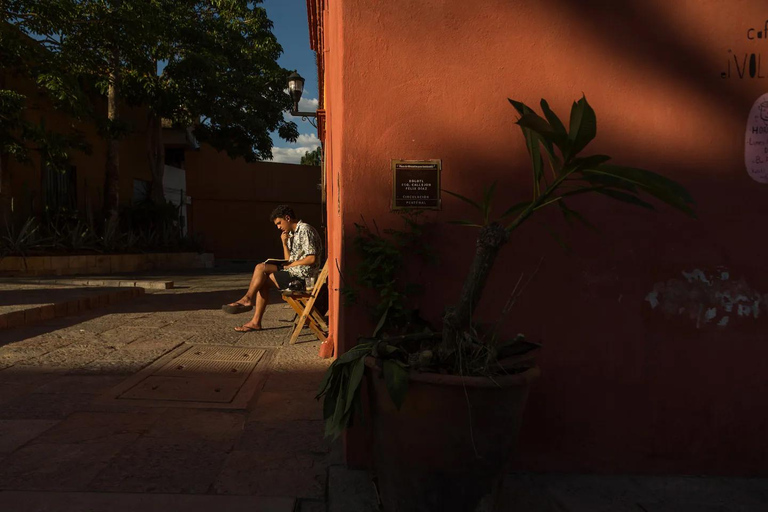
(303, 303)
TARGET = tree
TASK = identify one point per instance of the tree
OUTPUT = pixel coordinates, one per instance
(312, 157)
(220, 75)
(94, 41)
(220, 72)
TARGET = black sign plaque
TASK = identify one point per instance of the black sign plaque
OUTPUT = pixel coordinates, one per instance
(416, 184)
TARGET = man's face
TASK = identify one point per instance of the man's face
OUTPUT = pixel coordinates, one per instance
(283, 224)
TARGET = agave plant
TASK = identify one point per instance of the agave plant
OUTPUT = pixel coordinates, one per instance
(20, 241)
(463, 348)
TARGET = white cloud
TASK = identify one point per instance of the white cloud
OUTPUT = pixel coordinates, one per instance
(295, 150)
(308, 104)
(305, 105)
(308, 139)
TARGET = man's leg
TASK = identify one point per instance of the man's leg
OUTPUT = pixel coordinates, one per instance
(260, 274)
(262, 298)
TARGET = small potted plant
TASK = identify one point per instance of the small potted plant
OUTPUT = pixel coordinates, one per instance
(446, 406)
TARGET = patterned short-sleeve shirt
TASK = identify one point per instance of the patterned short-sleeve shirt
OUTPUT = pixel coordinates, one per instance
(301, 243)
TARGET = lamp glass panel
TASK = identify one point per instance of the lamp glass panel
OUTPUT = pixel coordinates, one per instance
(296, 84)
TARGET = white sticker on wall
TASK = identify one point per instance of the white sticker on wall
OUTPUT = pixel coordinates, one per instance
(756, 141)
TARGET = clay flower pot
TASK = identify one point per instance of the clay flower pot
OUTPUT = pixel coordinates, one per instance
(447, 448)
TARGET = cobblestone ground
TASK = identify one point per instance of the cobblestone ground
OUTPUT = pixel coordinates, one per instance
(54, 437)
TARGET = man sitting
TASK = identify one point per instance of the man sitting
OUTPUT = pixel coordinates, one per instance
(302, 247)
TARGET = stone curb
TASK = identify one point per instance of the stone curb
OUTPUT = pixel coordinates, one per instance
(44, 312)
(102, 263)
(114, 283)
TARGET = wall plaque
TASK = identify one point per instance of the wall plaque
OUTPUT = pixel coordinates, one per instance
(416, 184)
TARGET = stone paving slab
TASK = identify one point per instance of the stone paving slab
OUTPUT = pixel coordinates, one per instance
(57, 438)
(123, 502)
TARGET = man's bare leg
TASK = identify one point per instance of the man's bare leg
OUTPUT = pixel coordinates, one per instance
(262, 298)
(260, 274)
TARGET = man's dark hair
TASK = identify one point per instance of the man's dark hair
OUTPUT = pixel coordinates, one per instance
(281, 211)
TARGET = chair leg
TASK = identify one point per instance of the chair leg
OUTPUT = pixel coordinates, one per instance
(297, 326)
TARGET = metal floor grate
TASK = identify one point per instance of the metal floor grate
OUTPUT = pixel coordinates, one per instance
(198, 376)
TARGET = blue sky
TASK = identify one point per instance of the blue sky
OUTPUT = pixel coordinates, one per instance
(290, 27)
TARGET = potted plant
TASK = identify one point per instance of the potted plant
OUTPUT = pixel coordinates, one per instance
(446, 406)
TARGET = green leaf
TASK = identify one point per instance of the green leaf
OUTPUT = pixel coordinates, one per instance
(570, 214)
(537, 124)
(465, 223)
(521, 107)
(396, 379)
(383, 319)
(559, 240)
(329, 402)
(356, 352)
(560, 135)
(532, 144)
(355, 377)
(604, 180)
(465, 199)
(512, 210)
(589, 162)
(654, 184)
(336, 424)
(583, 127)
(326, 380)
(626, 198)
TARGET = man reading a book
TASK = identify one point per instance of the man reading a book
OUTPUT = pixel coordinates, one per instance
(302, 250)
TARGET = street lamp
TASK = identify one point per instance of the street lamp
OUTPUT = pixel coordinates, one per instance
(296, 88)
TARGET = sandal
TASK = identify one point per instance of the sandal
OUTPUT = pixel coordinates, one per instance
(245, 328)
(234, 309)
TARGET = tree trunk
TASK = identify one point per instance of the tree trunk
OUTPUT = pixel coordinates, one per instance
(458, 319)
(156, 155)
(5, 177)
(112, 168)
(5, 189)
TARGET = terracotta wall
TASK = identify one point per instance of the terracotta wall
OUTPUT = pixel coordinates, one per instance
(232, 201)
(625, 387)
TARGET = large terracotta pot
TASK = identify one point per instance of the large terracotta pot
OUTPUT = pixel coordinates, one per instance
(448, 446)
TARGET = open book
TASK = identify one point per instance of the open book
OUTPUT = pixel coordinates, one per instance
(276, 261)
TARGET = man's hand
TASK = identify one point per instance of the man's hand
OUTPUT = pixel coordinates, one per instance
(284, 237)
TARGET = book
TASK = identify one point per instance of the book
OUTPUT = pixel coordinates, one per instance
(280, 263)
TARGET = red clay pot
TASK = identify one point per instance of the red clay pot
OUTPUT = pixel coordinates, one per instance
(447, 448)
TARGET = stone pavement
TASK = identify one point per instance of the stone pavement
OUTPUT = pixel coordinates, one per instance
(58, 444)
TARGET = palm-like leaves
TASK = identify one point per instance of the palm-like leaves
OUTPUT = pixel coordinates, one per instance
(573, 174)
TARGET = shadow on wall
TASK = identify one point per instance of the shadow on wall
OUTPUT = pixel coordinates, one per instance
(646, 36)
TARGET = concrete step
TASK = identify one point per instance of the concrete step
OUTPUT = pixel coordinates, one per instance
(31, 306)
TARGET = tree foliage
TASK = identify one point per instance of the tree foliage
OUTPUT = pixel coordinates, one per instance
(209, 64)
(312, 157)
(23, 60)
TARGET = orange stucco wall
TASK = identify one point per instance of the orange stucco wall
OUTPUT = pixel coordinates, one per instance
(232, 200)
(624, 387)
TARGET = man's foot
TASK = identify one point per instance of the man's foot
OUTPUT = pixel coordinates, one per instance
(248, 328)
(241, 306)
